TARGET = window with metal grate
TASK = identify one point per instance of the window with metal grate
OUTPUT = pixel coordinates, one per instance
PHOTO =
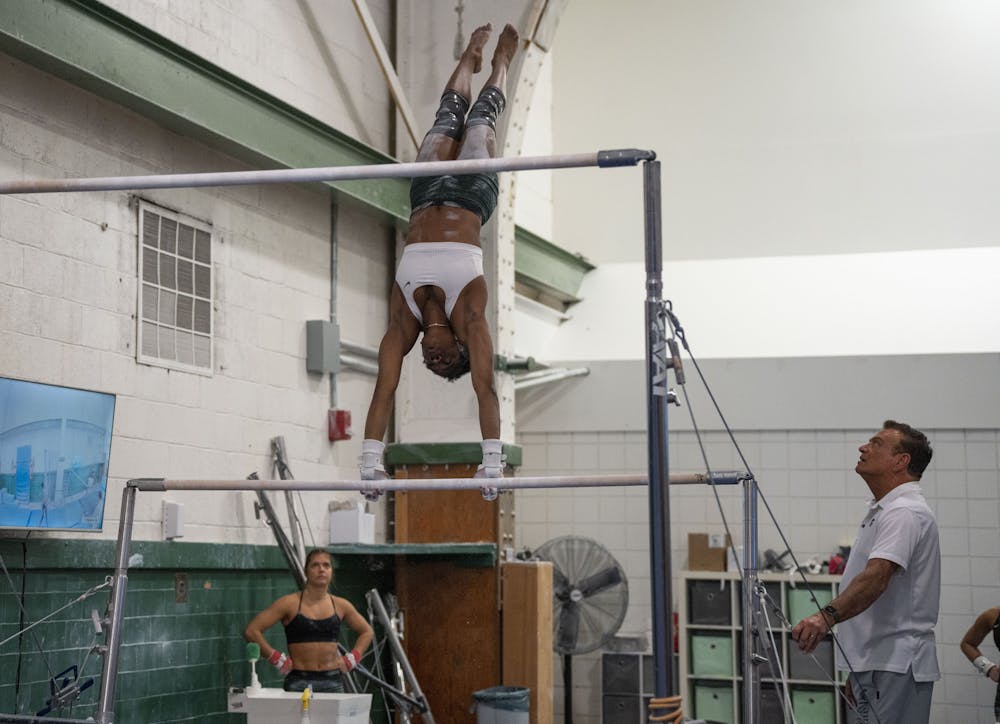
(175, 297)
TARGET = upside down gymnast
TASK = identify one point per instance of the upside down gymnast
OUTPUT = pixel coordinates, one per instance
(440, 290)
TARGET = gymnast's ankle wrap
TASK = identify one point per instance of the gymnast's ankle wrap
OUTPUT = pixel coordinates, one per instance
(487, 108)
(450, 117)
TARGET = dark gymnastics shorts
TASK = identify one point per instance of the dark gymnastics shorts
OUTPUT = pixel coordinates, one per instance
(474, 192)
(327, 682)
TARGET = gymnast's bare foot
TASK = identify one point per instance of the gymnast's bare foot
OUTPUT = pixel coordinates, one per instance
(506, 45)
(476, 43)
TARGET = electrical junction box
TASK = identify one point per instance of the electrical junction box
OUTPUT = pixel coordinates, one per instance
(173, 520)
(322, 346)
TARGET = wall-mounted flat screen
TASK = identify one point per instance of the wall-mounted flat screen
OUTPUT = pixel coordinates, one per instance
(55, 443)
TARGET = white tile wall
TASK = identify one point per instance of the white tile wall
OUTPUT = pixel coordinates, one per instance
(808, 480)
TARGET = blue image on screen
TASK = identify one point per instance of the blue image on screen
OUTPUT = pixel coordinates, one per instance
(55, 443)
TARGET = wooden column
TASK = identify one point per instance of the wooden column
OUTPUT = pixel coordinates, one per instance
(451, 613)
(526, 623)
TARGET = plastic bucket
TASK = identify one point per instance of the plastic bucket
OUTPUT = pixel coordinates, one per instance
(501, 705)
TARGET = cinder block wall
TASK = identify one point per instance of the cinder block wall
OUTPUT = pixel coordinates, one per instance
(177, 660)
(68, 302)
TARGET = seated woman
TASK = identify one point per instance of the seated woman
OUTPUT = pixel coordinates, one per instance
(440, 290)
(312, 619)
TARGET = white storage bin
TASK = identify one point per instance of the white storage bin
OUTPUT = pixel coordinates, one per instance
(352, 526)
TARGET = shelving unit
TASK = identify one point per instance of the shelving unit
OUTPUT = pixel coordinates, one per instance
(626, 686)
(710, 648)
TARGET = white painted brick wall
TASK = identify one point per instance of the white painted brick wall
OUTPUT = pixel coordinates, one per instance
(311, 54)
(533, 189)
(68, 300)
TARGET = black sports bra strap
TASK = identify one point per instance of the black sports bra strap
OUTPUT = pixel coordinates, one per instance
(333, 601)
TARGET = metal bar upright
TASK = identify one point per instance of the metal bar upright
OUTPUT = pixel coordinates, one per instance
(659, 473)
(751, 607)
(116, 609)
(375, 601)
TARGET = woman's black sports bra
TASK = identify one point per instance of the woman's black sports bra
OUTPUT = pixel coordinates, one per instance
(302, 630)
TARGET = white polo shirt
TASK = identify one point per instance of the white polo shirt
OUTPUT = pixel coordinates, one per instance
(897, 631)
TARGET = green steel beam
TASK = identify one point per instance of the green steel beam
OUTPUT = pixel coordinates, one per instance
(101, 50)
(540, 264)
(97, 48)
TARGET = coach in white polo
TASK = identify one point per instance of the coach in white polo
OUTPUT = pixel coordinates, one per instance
(890, 592)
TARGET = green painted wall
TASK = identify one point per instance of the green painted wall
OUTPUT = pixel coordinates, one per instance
(177, 660)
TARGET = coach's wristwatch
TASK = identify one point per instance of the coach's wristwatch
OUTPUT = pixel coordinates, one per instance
(833, 613)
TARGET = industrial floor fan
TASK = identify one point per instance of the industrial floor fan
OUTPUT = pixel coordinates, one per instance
(590, 598)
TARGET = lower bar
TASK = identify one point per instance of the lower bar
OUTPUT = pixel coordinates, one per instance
(558, 481)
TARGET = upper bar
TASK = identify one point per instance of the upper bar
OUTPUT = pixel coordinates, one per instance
(556, 481)
(623, 157)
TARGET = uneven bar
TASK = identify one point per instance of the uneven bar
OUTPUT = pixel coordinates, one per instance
(621, 157)
(553, 481)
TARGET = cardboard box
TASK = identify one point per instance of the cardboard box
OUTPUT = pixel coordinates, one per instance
(352, 526)
(707, 551)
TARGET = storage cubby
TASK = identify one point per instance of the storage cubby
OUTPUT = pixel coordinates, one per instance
(710, 642)
(627, 685)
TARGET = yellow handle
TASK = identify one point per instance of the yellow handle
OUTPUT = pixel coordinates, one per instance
(306, 693)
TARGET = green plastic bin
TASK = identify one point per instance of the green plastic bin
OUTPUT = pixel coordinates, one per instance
(714, 702)
(814, 706)
(800, 603)
(711, 654)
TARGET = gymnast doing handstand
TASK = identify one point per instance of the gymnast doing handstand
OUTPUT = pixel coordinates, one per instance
(440, 290)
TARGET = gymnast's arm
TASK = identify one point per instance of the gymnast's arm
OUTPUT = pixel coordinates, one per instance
(359, 625)
(398, 341)
(477, 337)
(975, 635)
(254, 632)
